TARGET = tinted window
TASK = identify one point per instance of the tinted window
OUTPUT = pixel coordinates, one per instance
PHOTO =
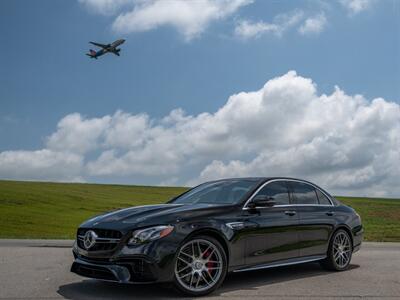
(224, 192)
(322, 198)
(277, 190)
(304, 193)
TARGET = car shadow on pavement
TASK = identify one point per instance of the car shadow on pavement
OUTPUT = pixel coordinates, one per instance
(94, 289)
(254, 279)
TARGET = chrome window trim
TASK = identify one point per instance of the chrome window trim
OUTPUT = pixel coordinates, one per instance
(288, 205)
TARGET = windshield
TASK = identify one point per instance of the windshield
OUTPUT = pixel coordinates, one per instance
(218, 192)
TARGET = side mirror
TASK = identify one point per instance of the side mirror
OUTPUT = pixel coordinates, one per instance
(261, 201)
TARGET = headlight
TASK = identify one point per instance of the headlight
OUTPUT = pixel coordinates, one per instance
(150, 234)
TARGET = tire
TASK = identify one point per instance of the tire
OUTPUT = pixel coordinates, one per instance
(339, 252)
(199, 273)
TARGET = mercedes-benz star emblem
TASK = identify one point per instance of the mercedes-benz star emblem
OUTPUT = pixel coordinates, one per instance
(89, 239)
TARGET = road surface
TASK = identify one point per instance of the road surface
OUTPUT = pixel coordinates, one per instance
(40, 270)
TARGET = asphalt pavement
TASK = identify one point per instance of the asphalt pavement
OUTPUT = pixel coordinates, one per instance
(39, 269)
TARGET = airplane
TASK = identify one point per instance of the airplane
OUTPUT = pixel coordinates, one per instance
(112, 48)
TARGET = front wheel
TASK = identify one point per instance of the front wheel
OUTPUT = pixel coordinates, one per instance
(339, 252)
(200, 266)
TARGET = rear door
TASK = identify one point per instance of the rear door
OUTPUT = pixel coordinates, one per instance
(273, 236)
(316, 219)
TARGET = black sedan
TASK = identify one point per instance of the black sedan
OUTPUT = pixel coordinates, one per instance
(229, 225)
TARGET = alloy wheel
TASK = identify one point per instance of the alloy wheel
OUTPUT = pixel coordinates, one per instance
(342, 249)
(199, 265)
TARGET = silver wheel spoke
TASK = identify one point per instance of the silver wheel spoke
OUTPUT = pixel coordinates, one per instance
(186, 275)
(188, 266)
(209, 256)
(205, 251)
(184, 261)
(191, 280)
(199, 248)
(213, 261)
(204, 278)
(187, 255)
(198, 281)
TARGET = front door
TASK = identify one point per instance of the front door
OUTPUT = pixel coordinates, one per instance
(273, 235)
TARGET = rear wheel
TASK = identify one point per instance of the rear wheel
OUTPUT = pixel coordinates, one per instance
(200, 266)
(339, 252)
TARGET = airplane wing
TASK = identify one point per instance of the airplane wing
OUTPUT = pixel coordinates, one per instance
(115, 52)
(100, 45)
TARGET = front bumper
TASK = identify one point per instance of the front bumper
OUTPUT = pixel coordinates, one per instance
(133, 271)
(153, 262)
(358, 234)
(104, 272)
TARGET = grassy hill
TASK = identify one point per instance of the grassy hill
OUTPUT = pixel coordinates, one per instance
(54, 210)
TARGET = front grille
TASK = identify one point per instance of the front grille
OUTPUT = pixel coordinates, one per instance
(102, 233)
(106, 240)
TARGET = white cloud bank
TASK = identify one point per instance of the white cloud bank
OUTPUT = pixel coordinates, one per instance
(190, 18)
(345, 143)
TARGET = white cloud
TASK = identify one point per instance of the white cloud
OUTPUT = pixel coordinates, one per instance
(190, 18)
(356, 6)
(76, 134)
(345, 143)
(246, 29)
(313, 25)
(105, 7)
(42, 164)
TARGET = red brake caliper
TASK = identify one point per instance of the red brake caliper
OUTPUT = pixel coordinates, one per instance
(209, 265)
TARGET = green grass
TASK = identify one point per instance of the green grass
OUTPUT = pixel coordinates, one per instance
(380, 217)
(54, 210)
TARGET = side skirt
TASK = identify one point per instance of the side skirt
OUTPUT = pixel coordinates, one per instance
(281, 263)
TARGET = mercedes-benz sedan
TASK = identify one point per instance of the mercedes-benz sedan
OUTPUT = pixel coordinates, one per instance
(228, 225)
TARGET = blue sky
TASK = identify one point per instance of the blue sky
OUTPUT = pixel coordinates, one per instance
(45, 75)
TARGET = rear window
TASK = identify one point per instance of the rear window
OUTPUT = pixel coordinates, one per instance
(322, 198)
(304, 193)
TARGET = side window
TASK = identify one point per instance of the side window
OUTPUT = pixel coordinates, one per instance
(322, 198)
(277, 190)
(304, 193)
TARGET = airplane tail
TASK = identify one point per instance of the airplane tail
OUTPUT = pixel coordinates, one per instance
(92, 53)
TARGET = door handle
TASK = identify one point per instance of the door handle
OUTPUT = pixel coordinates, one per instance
(290, 212)
(330, 213)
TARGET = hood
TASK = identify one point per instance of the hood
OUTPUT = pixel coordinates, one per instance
(147, 215)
